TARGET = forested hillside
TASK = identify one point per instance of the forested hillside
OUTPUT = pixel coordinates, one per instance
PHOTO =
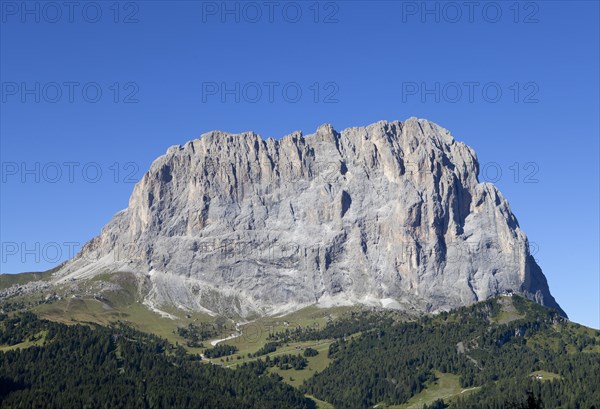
(97, 367)
(390, 364)
(502, 353)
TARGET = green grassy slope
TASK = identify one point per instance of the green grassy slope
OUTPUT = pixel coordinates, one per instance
(493, 350)
(8, 280)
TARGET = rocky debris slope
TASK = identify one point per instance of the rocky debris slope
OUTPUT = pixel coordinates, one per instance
(391, 214)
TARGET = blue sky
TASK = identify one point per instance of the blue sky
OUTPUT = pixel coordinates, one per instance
(107, 87)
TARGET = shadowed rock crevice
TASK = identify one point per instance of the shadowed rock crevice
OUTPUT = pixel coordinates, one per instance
(346, 202)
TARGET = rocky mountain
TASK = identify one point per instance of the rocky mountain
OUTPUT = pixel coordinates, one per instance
(391, 214)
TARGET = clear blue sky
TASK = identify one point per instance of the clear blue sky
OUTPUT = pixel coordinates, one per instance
(169, 66)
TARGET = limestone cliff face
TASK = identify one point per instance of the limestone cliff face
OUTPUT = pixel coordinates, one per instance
(390, 214)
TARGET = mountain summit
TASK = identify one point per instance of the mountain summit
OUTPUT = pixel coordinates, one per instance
(390, 215)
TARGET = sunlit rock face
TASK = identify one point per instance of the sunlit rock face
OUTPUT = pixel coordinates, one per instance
(391, 214)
